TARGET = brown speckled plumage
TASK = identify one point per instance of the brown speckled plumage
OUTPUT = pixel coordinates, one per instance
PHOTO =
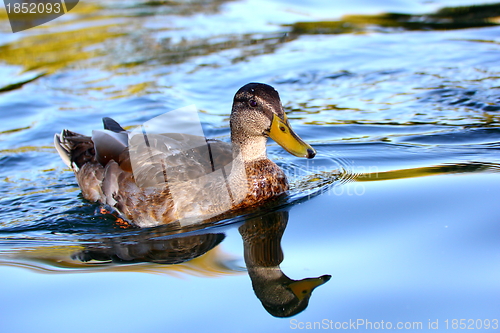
(102, 164)
(265, 180)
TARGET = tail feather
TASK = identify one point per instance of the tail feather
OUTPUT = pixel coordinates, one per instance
(112, 125)
(62, 148)
(75, 149)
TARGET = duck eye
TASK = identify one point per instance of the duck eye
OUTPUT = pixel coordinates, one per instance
(282, 128)
(252, 103)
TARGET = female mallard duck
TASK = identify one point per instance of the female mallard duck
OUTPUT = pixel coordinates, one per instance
(152, 179)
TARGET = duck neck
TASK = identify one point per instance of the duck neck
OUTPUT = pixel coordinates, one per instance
(251, 149)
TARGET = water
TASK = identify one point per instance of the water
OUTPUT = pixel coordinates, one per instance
(400, 206)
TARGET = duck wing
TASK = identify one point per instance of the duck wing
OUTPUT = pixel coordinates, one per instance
(150, 179)
(175, 157)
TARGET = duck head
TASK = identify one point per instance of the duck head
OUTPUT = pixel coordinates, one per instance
(257, 114)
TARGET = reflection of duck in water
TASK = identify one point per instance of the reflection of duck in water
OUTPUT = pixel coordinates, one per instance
(196, 251)
(155, 248)
(136, 187)
(280, 295)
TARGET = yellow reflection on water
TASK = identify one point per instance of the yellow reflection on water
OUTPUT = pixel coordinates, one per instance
(47, 51)
(27, 149)
(445, 18)
(52, 51)
(58, 260)
(427, 171)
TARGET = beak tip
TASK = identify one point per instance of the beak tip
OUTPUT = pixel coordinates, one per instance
(310, 153)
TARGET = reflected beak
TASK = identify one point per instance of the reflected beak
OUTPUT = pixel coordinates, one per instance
(303, 288)
(282, 133)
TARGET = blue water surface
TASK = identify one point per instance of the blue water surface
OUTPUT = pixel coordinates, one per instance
(400, 205)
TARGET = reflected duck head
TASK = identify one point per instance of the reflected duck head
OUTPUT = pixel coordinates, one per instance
(279, 295)
(290, 297)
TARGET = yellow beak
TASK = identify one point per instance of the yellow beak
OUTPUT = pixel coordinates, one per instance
(303, 288)
(282, 133)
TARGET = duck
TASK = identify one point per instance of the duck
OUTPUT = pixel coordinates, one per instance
(150, 178)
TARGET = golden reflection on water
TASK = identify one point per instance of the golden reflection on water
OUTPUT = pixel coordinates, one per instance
(26, 149)
(60, 260)
(95, 32)
(47, 51)
(446, 18)
(52, 51)
(428, 171)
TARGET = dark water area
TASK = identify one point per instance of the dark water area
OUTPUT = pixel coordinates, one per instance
(400, 206)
